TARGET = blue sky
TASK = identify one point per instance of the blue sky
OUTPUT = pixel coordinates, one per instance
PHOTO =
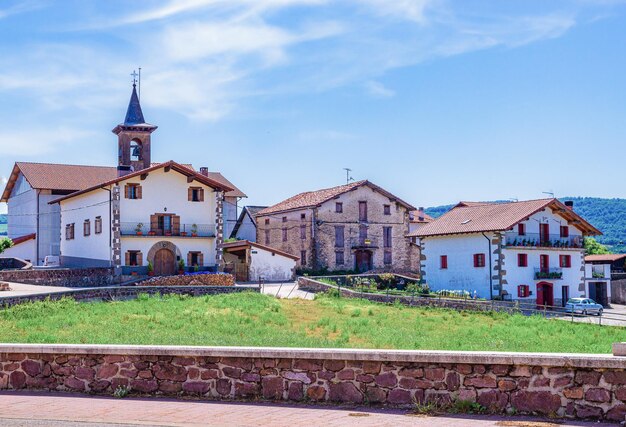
(435, 100)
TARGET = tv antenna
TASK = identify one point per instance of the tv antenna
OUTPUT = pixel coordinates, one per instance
(551, 193)
(348, 177)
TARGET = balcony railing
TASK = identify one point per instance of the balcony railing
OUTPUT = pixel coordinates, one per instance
(185, 230)
(548, 274)
(513, 239)
(363, 242)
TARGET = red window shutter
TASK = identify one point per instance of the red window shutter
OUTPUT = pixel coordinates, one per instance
(201, 195)
(564, 231)
(521, 229)
(126, 191)
(444, 261)
(189, 194)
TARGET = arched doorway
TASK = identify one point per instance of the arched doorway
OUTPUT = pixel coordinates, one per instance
(545, 294)
(164, 262)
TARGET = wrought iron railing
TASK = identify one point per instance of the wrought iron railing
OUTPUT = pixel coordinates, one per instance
(184, 230)
(548, 273)
(513, 239)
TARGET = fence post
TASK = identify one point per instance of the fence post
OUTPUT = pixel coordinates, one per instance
(339, 287)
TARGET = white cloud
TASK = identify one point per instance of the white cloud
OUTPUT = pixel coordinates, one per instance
(20, 7)
(379, 90)
(36, 142)
(414, 10)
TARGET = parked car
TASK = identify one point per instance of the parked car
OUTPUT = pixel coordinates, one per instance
(583, 306)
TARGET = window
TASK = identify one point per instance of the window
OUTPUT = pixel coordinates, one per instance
(443, 261)
(302, 217)
(267, 237)
(132, 191)
(565, 261)
(339, 236)
(302, 257)
(267, 221)
(165, 225)
(522, 260)
(98, 225)
(362, 211)
(339, 260)
(86, 228)
(303, 232)
(284, 234)
(362, 234)
(69, 231)
(564, 231)
(544, 263)
(284, 219)
(386, 209)
(521, 229)
(195, 258)
(523, 291)
(479, 260)
(195, 194)
(134, 258)
(387, 237)
(387, 257)
(338, 207)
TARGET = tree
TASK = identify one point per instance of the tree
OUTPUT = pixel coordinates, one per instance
(5, 243)
(592, 247)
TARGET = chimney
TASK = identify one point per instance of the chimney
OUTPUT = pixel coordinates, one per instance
(420, 213)
(123, 170)
(204, 171)
(569, 204)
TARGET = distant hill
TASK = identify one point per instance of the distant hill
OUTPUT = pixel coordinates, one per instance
(607, 215)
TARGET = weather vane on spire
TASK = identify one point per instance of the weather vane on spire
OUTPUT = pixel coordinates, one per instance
(134, 75)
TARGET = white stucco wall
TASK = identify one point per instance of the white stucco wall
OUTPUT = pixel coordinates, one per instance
(270, 266)
(25, 251)
(247, 230)
(22, 209)
(461, 273)
(229, 214)
(184, 245)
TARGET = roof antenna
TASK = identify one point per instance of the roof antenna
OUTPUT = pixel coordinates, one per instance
(348, 177)
(139, 94)
(551, 193)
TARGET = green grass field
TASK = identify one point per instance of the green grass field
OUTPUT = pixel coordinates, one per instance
(251, 319)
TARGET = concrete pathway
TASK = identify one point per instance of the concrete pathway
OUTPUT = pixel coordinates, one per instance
(20, 289)
(39, 409)
(286, 290)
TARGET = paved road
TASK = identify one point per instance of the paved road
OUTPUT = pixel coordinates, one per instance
(22, 409)
(286, 290)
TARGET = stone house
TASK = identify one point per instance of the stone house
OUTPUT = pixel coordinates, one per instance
(358, 226)
(529, 250)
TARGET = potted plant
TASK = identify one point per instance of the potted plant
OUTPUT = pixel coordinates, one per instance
(150, 269)
(194, 230)
(181, 267)
(139, 228)
(151, 233)
(183, 233)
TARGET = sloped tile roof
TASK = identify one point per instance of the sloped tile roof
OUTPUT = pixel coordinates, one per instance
(468, 217)
(414, 217)
(314, 198)
(604, 257)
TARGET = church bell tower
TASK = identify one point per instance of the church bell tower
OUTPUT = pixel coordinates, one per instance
(133, 138)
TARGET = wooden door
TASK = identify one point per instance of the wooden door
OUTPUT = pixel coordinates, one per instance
(164, 262)
(363, 261)
(545, 295)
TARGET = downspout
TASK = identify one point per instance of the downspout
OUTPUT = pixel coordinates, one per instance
(313, 242)
(110, 226)
(490, 268)
(38, 237)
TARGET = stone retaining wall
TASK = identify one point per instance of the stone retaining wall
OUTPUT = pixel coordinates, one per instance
(124, 293)
(195, 279)
(560, 385)
(13, 264)
(65, 277)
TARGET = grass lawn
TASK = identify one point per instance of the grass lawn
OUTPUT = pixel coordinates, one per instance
(251, 319)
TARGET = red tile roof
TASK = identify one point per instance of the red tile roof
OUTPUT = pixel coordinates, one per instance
(216, 176)
(314, 198)
(414, 217)
(170, 164)
(49, 176)
(22, 239)
(467, 217)
(605, 257)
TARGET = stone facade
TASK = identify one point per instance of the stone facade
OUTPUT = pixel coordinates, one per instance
(69, 278)
(567, 386)
(218, 279)
(313, 230)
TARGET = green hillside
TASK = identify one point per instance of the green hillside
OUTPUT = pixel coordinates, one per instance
(608, 215)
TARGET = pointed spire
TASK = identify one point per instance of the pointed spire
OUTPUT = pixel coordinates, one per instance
(134, 115)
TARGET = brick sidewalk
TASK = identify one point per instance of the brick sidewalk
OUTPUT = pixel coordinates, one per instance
(40, 409)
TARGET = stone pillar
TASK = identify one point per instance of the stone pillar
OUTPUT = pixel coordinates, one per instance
(116, 242)
(219, 228)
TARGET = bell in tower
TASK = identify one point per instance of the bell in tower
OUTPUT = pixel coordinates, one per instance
(133, 138)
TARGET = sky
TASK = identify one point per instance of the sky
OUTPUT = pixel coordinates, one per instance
(434, 100)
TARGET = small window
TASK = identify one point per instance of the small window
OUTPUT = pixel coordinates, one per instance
(86, 228)
(267, 237)
(303, 232)
(98, 225)
(387, 237)
(565, 261)
(387, 209)
(387, 257)
(339, 236)
(195, 194)
(69, 231)
(479, 260)
(267, 221)
(443, 262)
(339, 207)
(193, 259)
(284, 219)
(284, 234)
(302, 257)
(363, 211)
(522, 260)
(303, 216)
(132, 191)
(133, 258)
(564, 231)
(521, 229)
(339, 260)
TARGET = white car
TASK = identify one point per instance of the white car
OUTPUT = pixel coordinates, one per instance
(583, 306)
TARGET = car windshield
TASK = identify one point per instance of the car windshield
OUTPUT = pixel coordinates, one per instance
(590, 301)
(575, 301)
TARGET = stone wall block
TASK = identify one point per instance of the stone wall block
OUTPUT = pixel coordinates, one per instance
(387, 379)
(481, 381)
(31, 367)
(542, 402)
(493, 400)
(345, 392)
(272, 387)
(614, 377)
(597, 395)
(588, 377)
